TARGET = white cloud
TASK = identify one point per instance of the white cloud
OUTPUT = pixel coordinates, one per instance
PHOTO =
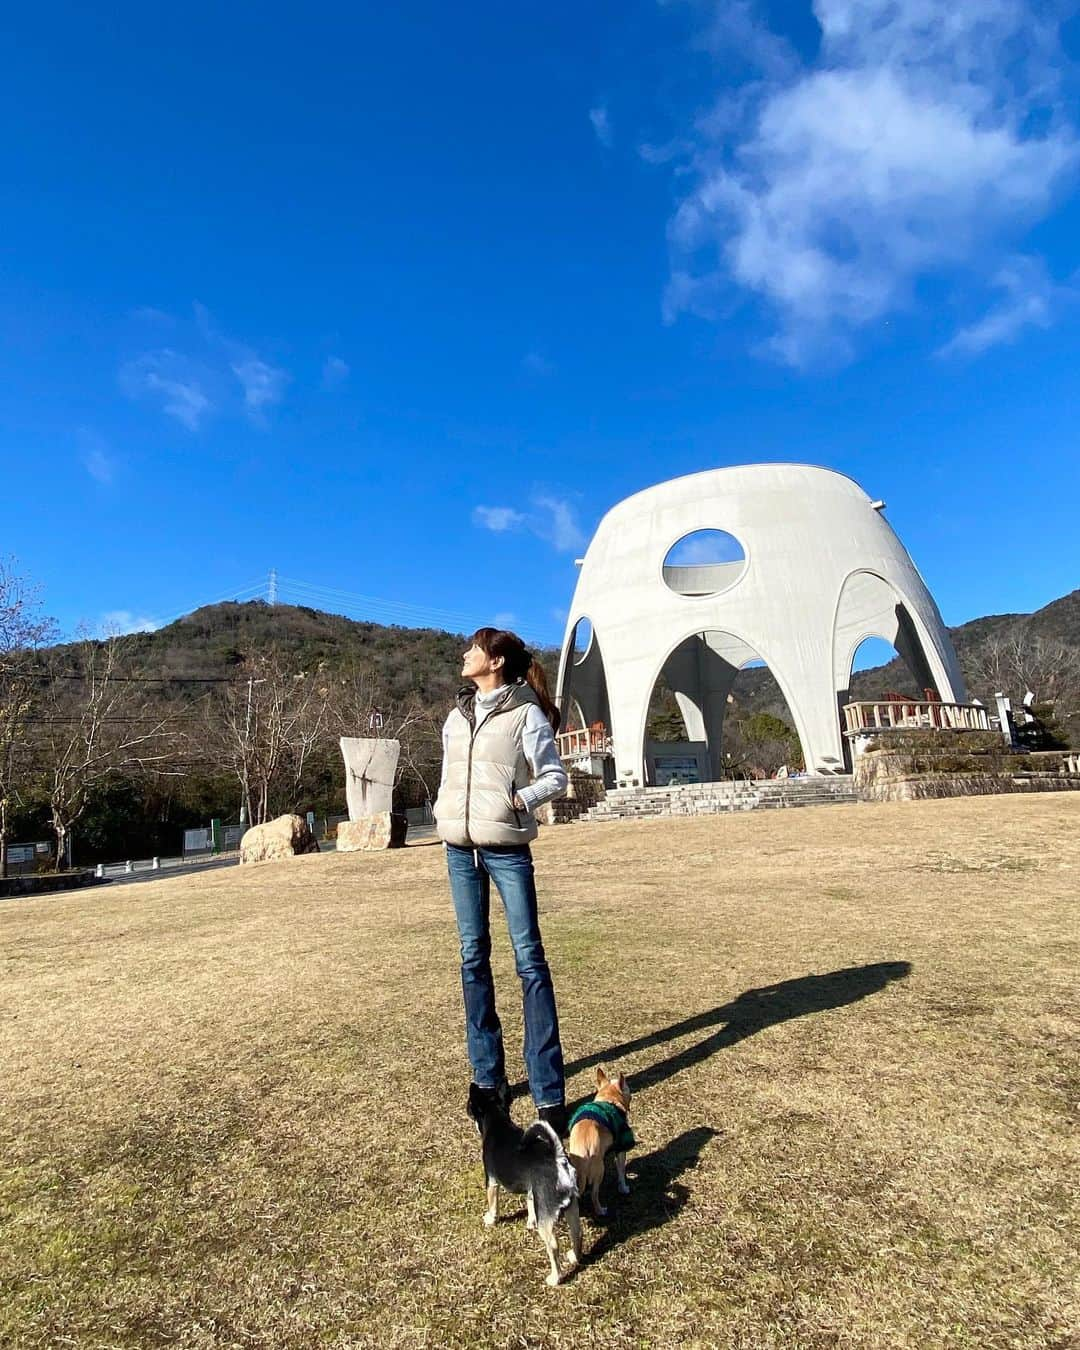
(335, 372)
(95, 457)
(117, 622)
(558, 524)
(198, 377)
(173, 381)
(263, 384)
(551, 519)
(923, 139)
(505, 618)
(498, 518)
(704, 548)
(601, 124)
(1029, 301)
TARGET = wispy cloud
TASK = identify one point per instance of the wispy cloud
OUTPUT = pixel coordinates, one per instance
(921, 142)
(173, 381)
(335, 372)
(262, 383)
(95, 456)
(558, 524)
(1029, 300)
(204, 373)
(498, 518)
(549, 518)
(601, 124)
(117, 622)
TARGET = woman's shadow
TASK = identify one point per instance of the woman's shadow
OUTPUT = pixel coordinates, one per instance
(752, 1011)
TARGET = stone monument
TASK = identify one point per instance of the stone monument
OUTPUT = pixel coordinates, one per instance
(370, 771)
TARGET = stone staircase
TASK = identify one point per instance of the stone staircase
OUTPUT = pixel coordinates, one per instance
(712, 799)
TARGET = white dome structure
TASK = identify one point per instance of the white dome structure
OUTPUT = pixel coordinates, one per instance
(821, 570)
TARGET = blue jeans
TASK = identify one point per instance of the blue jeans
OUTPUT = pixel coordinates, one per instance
(471, 872)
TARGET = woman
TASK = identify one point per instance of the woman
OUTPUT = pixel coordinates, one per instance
(499, 764)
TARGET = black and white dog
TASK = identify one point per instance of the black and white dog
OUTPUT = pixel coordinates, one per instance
(532, 1163)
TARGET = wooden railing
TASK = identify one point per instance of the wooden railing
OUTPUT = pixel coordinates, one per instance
(860, 718)
(589, 741)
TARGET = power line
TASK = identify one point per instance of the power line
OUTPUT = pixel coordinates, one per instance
(141, 679)
(403, 610)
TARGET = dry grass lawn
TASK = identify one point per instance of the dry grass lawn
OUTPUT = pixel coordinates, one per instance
(232, 1114)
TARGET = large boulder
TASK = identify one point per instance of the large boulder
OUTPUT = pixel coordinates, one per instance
(387, 829)
(284, 837)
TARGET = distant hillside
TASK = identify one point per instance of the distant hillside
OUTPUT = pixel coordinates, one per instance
(215, 640)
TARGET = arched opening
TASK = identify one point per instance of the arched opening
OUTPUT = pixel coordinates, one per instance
(717, 712)
(878, 653)
(704, 562)
(583, 640)
(583, 701)
(879, 673)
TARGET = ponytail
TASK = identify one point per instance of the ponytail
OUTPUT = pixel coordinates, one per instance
(537, 680)
(519, 664)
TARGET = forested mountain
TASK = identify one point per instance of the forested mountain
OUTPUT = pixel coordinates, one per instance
(215, 642)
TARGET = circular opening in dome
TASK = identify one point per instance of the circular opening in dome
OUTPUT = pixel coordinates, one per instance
(583, 640)
(705, 562)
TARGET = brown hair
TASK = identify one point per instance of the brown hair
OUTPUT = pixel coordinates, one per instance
(518, 664)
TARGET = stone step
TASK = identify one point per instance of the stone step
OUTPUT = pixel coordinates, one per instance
(694, 799)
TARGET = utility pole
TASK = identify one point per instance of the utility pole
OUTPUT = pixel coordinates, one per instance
(272, 588)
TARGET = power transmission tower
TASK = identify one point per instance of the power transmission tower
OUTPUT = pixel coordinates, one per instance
(271, 593)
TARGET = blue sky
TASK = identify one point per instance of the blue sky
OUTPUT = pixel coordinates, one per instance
(399, 300)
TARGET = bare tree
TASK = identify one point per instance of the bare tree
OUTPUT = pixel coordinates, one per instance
(358, 706)
(1016, 662)
(270, 721)
(94, 723)
(22, 629)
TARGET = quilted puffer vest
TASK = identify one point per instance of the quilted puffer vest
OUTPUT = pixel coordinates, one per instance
(485, 766)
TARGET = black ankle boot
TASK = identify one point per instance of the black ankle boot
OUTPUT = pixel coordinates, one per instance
(555, 1116)
(499, 1095)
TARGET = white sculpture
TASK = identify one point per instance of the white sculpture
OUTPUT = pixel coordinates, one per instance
(822, 570)
(370, 769)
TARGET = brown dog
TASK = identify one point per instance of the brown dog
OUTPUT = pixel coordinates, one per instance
(596, 1129)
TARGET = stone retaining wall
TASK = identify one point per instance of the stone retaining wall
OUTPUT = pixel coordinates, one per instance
(42, 883)
(893, 774)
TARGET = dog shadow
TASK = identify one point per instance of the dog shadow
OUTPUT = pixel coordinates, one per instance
(752, 1011)
(656, 1193)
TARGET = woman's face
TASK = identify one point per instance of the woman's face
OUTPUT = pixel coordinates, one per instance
(476, 663)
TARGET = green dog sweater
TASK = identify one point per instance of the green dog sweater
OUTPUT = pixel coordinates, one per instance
(613, 1120)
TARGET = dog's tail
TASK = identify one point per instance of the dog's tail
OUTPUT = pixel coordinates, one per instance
(542, 1137)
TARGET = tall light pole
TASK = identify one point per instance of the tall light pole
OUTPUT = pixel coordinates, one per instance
(252, 682)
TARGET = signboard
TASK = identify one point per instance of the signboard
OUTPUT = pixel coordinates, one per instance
(677, 769)
(198, 841)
